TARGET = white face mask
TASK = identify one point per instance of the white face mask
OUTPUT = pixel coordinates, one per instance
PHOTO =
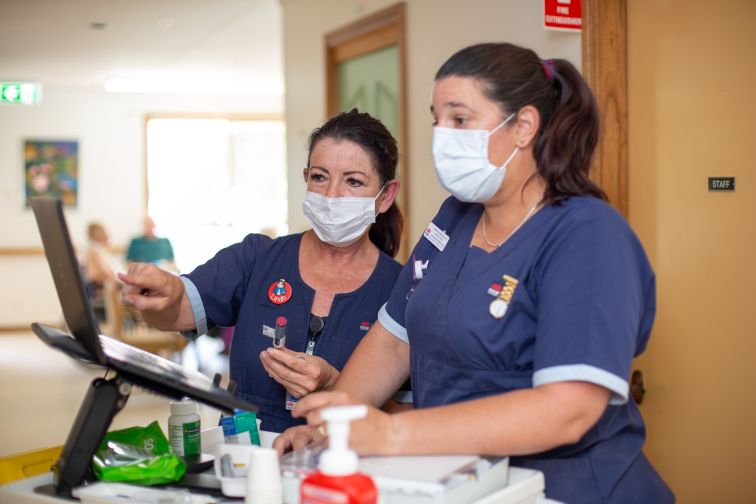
(339, 221)
(462, 165)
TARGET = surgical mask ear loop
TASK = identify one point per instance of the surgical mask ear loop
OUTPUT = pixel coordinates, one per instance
(378, 195)
(511, 156)
(502, 123)
(515, 151)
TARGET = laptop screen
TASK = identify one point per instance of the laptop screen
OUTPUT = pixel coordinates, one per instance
(139, 367)
(64, 267)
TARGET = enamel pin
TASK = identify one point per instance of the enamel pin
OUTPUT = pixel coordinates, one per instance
(494, 290)
(279, 292)
(498, 306)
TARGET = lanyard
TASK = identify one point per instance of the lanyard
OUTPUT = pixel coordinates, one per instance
(315, 327)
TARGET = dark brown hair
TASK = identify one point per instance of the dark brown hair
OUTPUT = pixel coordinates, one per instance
(370, 134)
(514, 77)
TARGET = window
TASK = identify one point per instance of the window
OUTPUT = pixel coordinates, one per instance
(212, 181)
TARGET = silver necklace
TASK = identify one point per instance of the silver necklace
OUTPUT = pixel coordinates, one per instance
(527, 216)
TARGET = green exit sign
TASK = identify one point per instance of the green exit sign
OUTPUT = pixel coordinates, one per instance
(24, 93)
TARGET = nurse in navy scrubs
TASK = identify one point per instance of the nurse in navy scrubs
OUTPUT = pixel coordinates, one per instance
(525, 300)
(329, 283)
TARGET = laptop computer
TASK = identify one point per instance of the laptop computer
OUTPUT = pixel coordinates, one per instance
(84, 340)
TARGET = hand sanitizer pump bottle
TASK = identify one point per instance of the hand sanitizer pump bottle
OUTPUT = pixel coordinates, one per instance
(338, 479)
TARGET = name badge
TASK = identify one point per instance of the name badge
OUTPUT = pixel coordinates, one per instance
(436, 236)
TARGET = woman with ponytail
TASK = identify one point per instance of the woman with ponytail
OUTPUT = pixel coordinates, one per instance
(526, 299)
(324, 286)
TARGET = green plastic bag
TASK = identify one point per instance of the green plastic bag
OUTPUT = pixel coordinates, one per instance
(139, 455)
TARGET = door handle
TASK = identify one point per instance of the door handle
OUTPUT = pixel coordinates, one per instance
(637, 386)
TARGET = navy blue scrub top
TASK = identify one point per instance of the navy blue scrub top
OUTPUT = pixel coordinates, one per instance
(234, 289)
(582, 307)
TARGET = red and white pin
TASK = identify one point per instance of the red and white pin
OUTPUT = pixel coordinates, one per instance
(279, 292)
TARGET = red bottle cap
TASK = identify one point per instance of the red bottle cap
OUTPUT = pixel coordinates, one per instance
(281, 321)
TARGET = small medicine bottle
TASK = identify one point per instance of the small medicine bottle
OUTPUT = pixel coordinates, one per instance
(184, 428)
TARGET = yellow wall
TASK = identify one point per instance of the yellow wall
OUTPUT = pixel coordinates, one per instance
(692, 79)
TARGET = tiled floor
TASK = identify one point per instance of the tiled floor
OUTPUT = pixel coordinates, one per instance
(41, 390)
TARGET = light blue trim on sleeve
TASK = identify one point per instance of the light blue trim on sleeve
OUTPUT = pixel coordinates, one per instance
(403, 396)
(198, 310)
(392, 325)
(586, 373)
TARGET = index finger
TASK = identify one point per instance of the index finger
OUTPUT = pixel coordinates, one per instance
(293, 360)
(143, 277)
(312, 403)
(282, 443)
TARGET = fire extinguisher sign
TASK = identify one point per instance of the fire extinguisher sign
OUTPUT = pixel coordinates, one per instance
(562, 15)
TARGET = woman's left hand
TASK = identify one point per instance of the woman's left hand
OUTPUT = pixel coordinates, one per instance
(299, 373)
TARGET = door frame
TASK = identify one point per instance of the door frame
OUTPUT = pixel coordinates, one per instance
(604, 55)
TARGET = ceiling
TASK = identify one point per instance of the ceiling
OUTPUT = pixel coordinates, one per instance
(55, 42)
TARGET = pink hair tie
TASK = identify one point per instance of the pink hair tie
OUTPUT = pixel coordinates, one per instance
(548, 67)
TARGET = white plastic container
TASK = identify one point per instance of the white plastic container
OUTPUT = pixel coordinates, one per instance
(240, 455)
(263, 478)
(184, 428)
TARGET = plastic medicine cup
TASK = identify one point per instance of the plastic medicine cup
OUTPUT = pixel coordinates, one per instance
(263, 478)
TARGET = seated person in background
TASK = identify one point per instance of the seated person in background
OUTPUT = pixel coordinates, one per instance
(149, 248)
(328, 282)
(100, 264)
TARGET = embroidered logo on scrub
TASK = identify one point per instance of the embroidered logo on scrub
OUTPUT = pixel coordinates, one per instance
(279, 292)
(498, 306)
(364, 326)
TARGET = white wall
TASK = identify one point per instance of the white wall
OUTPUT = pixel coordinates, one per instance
(110, 132)
(435, 30)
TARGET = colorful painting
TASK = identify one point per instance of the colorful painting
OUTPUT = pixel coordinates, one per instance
(51, 168)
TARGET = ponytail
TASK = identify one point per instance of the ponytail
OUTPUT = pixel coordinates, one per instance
(386, 233)
(568, 136)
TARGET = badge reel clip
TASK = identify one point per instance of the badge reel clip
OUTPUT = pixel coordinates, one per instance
(418, 269)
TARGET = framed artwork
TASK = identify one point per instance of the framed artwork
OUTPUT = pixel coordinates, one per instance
(51, 168)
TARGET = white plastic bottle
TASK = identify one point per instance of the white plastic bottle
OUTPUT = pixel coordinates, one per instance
(184, 428)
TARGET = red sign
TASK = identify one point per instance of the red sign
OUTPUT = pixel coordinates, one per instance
(562, 15)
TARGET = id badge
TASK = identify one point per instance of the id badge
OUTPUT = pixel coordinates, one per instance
(436, 236)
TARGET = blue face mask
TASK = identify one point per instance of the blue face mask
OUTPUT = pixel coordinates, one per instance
(462, 165)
